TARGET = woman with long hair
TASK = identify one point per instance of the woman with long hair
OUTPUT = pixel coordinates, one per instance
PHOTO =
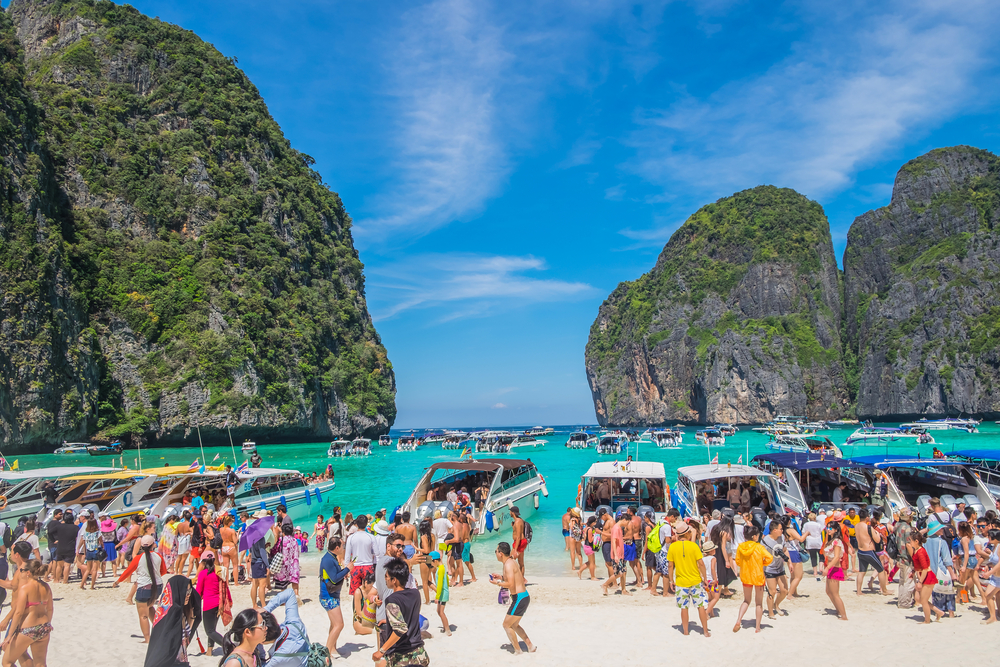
(211, 588)
(588, 540)
(796, 554)
(364, 606)
(835, 564)
(241, 642)
(752, 558)
(94, 550)
(176, 617)
(722, 535)
(319, 532)
(229, 557)
(30, 615)
(331, 582)
(149, 570)
(426, 546)
(923, 577)
(991, 574)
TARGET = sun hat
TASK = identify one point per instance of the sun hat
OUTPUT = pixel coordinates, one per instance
(906, 511)
(739, 520)
(838, 516)
(707, 546)
(575, 512)
(435, 555)
(382, 528)
(260, 514)
(681, 528)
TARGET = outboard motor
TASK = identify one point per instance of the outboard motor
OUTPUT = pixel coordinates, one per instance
(646, 509)
(974, 502)
(923, 505)
(759, 518)
(949, 502)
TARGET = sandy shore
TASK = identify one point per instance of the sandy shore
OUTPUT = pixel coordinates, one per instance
(571, 623)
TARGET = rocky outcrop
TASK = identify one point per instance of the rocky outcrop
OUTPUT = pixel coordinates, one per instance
(180, 264)
(922, 290)
(739, 321)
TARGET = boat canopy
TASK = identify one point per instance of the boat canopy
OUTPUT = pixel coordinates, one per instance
(900, 461)
(487, 465)
(717, 471)
(978, 454)
(804, 461)
(635, 470)
(52, 473)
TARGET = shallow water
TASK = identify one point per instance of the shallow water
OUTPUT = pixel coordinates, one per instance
(386, 478)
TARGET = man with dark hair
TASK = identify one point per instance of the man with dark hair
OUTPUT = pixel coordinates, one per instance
(409, 533)
(285, 520)
(401, 644)
(360, 550)
(513, 580)
(520, 543)
(393, 551)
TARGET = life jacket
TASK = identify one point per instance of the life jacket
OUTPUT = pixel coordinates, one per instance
(653, 539)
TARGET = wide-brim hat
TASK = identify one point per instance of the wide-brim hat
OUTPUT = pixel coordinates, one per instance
(575, 512)
(739, 520)
(260, 514)
(708, 546)
(381, 528)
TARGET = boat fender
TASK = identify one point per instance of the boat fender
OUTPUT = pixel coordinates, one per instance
(318, 497)
(263, 506)
(535, 497)
(308, 501)
(4, 501)
(489, 521)
(281, 499)
(510, 504)
(545, 491)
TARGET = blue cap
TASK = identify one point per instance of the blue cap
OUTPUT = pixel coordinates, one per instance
(435, 555)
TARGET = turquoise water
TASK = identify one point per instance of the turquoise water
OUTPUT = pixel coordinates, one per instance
(387, 477)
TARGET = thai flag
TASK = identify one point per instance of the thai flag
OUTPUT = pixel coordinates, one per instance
(715, 461)
(243, 467)
(739, 461)
(194, 466)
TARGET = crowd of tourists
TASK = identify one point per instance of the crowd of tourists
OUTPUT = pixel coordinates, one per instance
(947, 558)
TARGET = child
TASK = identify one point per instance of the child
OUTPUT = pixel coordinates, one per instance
(441, 592)
(751, 558)
(711, 576)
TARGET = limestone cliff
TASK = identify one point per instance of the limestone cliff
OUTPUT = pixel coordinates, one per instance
(169, 259)
(739, 321)
(922, 290)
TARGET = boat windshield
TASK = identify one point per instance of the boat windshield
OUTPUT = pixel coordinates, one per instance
(512, 478)
(622, 492)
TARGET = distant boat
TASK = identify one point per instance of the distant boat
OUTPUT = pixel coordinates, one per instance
(610, 444)
(72, 448)
(249, 446)
(361, 447)
(667, 439)
(710, 436)
(114, 448)
(384, 441)
(581, 440)
(339, 448)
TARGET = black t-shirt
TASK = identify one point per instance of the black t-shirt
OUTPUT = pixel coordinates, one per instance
(65, 538)
(197, 533)
(408, 601)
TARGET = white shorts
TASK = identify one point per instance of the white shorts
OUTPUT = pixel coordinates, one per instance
(183, 544)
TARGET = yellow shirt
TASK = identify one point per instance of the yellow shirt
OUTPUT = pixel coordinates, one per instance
(854, 521)
(685, 556)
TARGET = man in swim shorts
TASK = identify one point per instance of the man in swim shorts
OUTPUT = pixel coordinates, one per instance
(868, 551)
(520, 541)
(513, 580)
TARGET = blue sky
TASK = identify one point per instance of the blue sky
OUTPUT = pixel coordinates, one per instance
(507, 164)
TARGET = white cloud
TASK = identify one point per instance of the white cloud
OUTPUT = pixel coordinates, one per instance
(858, 86)
(499, 406)
(465, 285)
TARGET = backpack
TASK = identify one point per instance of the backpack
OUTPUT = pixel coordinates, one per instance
(891, 548)
(653, 540)
(527, 532)
(216, 541)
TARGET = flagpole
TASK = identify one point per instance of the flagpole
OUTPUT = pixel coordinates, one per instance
(230, 431)
(203, 459)
(748, 451)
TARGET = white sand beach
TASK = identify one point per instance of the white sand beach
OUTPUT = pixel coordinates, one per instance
(572, 624)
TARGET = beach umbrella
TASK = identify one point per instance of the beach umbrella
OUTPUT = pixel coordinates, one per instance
(255, 531)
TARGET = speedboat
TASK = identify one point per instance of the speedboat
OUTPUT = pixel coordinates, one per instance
(503, 444)
(726, 429)
(710, 436)
(883, 435)
(610, 444)
(912, 482)
(510, 483)
(522, 441)
(816, 444)
(539, 430)
(701, 489)
(21, 490)
(581, 440)
(72, 448)
(384, 441)
(968, 425)
(249, 446)
(611, 486)
(407, 443)
(837, 423)
(452, 442)
(339, 448)
(361, 447)
(668, 439)
(434, 437)
(807, 479)
(985, 463)
(113, 449)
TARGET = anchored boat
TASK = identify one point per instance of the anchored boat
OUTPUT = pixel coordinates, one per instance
(339, 448)
(384, 441)
(668, 439)
(710, 436)
(611, 486)
(610, 444)
(72, 448)
(581, 440)
(702, 489)
(361, 447)
(802, 444)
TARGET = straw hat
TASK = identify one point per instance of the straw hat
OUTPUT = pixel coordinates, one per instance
(707, 546)
(260, 514)
(575, 512)
(681, 528)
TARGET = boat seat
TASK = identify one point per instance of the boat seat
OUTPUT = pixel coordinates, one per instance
(949, 502)
(923, 504)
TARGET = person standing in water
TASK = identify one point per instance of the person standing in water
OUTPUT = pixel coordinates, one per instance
(513, 580)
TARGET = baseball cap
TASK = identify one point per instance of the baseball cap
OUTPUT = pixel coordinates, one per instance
(435, 555)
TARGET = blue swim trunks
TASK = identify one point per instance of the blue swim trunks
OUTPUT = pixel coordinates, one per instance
(329, 603)
(408, 551)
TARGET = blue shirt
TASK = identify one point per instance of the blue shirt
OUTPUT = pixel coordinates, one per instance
(330, 569)
(291, 647)
(938, 552)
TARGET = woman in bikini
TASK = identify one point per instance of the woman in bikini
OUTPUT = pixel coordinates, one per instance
(230, 557)
(30, 615)
(364, 606)
(426, 546)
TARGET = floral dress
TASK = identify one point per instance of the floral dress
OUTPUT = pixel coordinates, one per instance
(289, 570)
(320, 534)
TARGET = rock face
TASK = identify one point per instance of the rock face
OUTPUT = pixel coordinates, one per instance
(739, 321)
(168, 259)
(922, 290)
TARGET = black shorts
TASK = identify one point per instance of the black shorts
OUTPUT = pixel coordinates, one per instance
(66, 558)
(519, 604)
(650, 560)
(866, 558)
(606, 552)
(258, 570)
(774, 575)
(854, 542)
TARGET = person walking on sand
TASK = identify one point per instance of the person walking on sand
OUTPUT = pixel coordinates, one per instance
(150, 571)
(513, 580)
(441, 589)
(635, 536)
(403, 643)
(331, 582)
(712, 588)
(565, 532)
(751, 558)
(30, 616)
(617, 555)
(686, 576)
(520, 538)
(589, 539)
(836, 563)
(923, 576)
(774, 574)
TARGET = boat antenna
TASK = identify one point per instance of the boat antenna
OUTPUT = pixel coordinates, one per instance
(236, 464)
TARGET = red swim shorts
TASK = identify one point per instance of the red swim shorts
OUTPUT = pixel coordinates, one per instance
(521, 546)
(358, 576)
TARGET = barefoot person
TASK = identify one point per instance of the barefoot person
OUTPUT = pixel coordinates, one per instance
(30, 615)
(404, 644)
(617, 556)
(513, 580)
(686, 576)
(870, 542)
(441, 589)
(331, 581)
(751, 558)
(149, 571)
(836, 562)
(520, 538)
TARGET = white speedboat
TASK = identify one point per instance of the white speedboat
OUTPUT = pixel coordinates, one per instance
(611, 486)
(339, 448)
(384, 441)
(407, 443)
(702, 489)
(510, 483)
(539, 430)
(610, 444)
(967, 425)
(668, 439)
(72, 448)
(527, 441)
(21, 490)
(726, 429)
(912, 482)
(361, 447)
(581, 440)
(452, 442)
(869, 435)
(249, 446)
(814, 444)
(431, 438)
(710, 436)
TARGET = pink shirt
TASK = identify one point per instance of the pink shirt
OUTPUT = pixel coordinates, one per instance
(617, 542)
(208, 588)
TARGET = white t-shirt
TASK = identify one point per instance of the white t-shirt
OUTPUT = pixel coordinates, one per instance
(707, 561)
(441, 527)
(452, 496)
(710, 525)
(142, 572)
(360, 547)
(838, 495)
(30, 539)
(813, 531)
(738, 534)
